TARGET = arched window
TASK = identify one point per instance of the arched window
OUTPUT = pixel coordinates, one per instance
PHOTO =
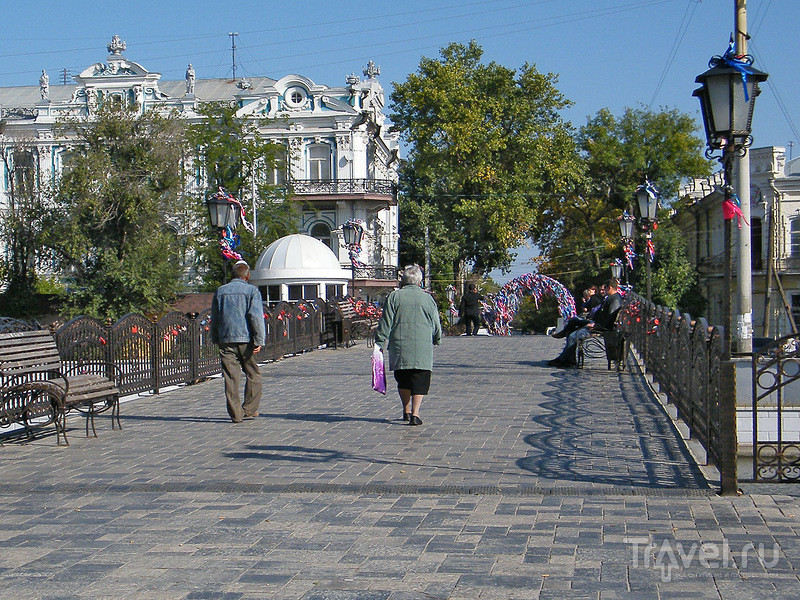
(794, 240)
(322, 232)
(319, 162)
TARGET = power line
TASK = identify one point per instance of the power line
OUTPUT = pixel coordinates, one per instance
(682, 29)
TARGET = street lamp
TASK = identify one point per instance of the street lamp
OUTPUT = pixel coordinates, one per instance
(727, 95)
(647, 199)
(222, 211)
(353, 231)
(451, 298)
(616, 270)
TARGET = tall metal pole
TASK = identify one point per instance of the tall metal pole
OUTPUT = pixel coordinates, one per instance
(744, 279)
(727, 162)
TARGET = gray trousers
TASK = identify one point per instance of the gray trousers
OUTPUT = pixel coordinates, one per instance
(235, 359)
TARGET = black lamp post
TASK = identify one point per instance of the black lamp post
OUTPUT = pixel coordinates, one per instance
(626, 223)
(451, 298)
(223, 213)
(352, 233)
(616, 270)
(727, 95)
(647, 199)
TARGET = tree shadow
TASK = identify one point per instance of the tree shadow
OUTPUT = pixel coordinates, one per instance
(630, 443)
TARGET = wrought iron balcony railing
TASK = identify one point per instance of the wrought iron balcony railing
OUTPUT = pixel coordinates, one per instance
(377, 272)
(384, 187)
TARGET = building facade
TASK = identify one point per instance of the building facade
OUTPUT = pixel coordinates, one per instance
(342, 161)
(775, 240)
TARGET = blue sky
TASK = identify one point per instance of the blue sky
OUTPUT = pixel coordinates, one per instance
(607, 53)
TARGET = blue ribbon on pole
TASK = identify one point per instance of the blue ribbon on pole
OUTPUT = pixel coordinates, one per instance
(739, 64)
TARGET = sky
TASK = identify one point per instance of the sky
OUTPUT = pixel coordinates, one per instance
(606, 53)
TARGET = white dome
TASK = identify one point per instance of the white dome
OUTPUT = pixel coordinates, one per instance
(297, 258)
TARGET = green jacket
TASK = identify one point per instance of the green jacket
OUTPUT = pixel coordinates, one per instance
(408, 329)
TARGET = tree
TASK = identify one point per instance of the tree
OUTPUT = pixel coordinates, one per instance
(485, 144)
(233, 154)
(21, 226)
(108, 227)
(578, 230)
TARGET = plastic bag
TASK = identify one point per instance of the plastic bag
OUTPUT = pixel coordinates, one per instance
(378, 371)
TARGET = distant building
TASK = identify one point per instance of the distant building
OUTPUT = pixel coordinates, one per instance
(775, 239)
(342, 161)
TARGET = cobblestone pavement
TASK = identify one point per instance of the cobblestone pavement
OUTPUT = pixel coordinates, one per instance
(524, 482)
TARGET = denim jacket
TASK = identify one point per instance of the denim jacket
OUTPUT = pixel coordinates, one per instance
(237, 314)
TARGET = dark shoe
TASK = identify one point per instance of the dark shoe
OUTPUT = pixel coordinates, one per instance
(413, 420)
(406, 416)
(559, 334)
(556, 362)
(253, 416)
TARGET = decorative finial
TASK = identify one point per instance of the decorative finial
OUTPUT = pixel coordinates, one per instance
(371, 71)
(117, 46)
(352, 79)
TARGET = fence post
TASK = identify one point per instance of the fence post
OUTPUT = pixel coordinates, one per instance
(155, 355)
(194, 348)
(729, 483)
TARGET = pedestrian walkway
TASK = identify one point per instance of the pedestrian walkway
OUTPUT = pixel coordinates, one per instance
(523, 482)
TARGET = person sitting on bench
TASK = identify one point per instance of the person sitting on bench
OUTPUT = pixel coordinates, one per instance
(602, 320)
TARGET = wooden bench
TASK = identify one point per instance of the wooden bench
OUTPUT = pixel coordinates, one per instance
(354, 325)
(37, 390)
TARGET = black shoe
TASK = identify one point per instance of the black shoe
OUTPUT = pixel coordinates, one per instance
(559, 334)
(413, 420)
(556, 362)
(406, 416)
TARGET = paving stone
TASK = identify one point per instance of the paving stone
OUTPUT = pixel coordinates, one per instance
(524, 482)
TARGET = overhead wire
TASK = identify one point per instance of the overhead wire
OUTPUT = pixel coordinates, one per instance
(682, 29)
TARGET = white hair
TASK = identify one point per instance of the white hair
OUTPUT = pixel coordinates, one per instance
(412, 275)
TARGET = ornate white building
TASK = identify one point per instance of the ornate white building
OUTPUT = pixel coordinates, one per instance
(342, 161)
(775, 239)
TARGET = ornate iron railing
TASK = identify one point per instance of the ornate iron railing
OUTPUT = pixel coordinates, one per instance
(377, 272)
(685, 358)
(177, 349)
(384, 187)
(776, 411)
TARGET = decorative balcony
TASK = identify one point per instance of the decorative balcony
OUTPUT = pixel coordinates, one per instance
(337, 187)
(377, 272)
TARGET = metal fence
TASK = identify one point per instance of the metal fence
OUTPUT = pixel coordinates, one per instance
(776, 411)
(685, 358)
(177, 348)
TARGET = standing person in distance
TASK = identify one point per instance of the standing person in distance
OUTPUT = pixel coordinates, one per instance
(408, 330)
(237, 326)
(470, 309)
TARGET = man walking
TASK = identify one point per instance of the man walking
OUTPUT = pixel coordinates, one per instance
(470, 309)
(237, 326)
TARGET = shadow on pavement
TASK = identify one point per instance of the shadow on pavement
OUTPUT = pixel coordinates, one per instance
(583, 438)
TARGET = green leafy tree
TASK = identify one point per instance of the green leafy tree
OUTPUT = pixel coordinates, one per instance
(579, 231)
(533, 318)
(233, 154)
(108, 226)
(485, 144)
(21, 227)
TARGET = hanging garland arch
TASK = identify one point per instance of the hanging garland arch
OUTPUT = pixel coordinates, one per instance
(500, 310)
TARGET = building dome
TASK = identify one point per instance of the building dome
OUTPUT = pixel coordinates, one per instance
(298, 260)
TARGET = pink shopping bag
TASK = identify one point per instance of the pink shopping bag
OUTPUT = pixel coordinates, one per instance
(378, 371)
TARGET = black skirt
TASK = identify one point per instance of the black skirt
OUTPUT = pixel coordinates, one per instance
(416, 380)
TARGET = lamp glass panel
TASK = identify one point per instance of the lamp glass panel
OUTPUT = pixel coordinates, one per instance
(718, 88)
(616, 270)
(626, 228)
(648, 204)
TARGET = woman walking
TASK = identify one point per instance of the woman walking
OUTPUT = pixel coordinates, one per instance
(408, 330)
